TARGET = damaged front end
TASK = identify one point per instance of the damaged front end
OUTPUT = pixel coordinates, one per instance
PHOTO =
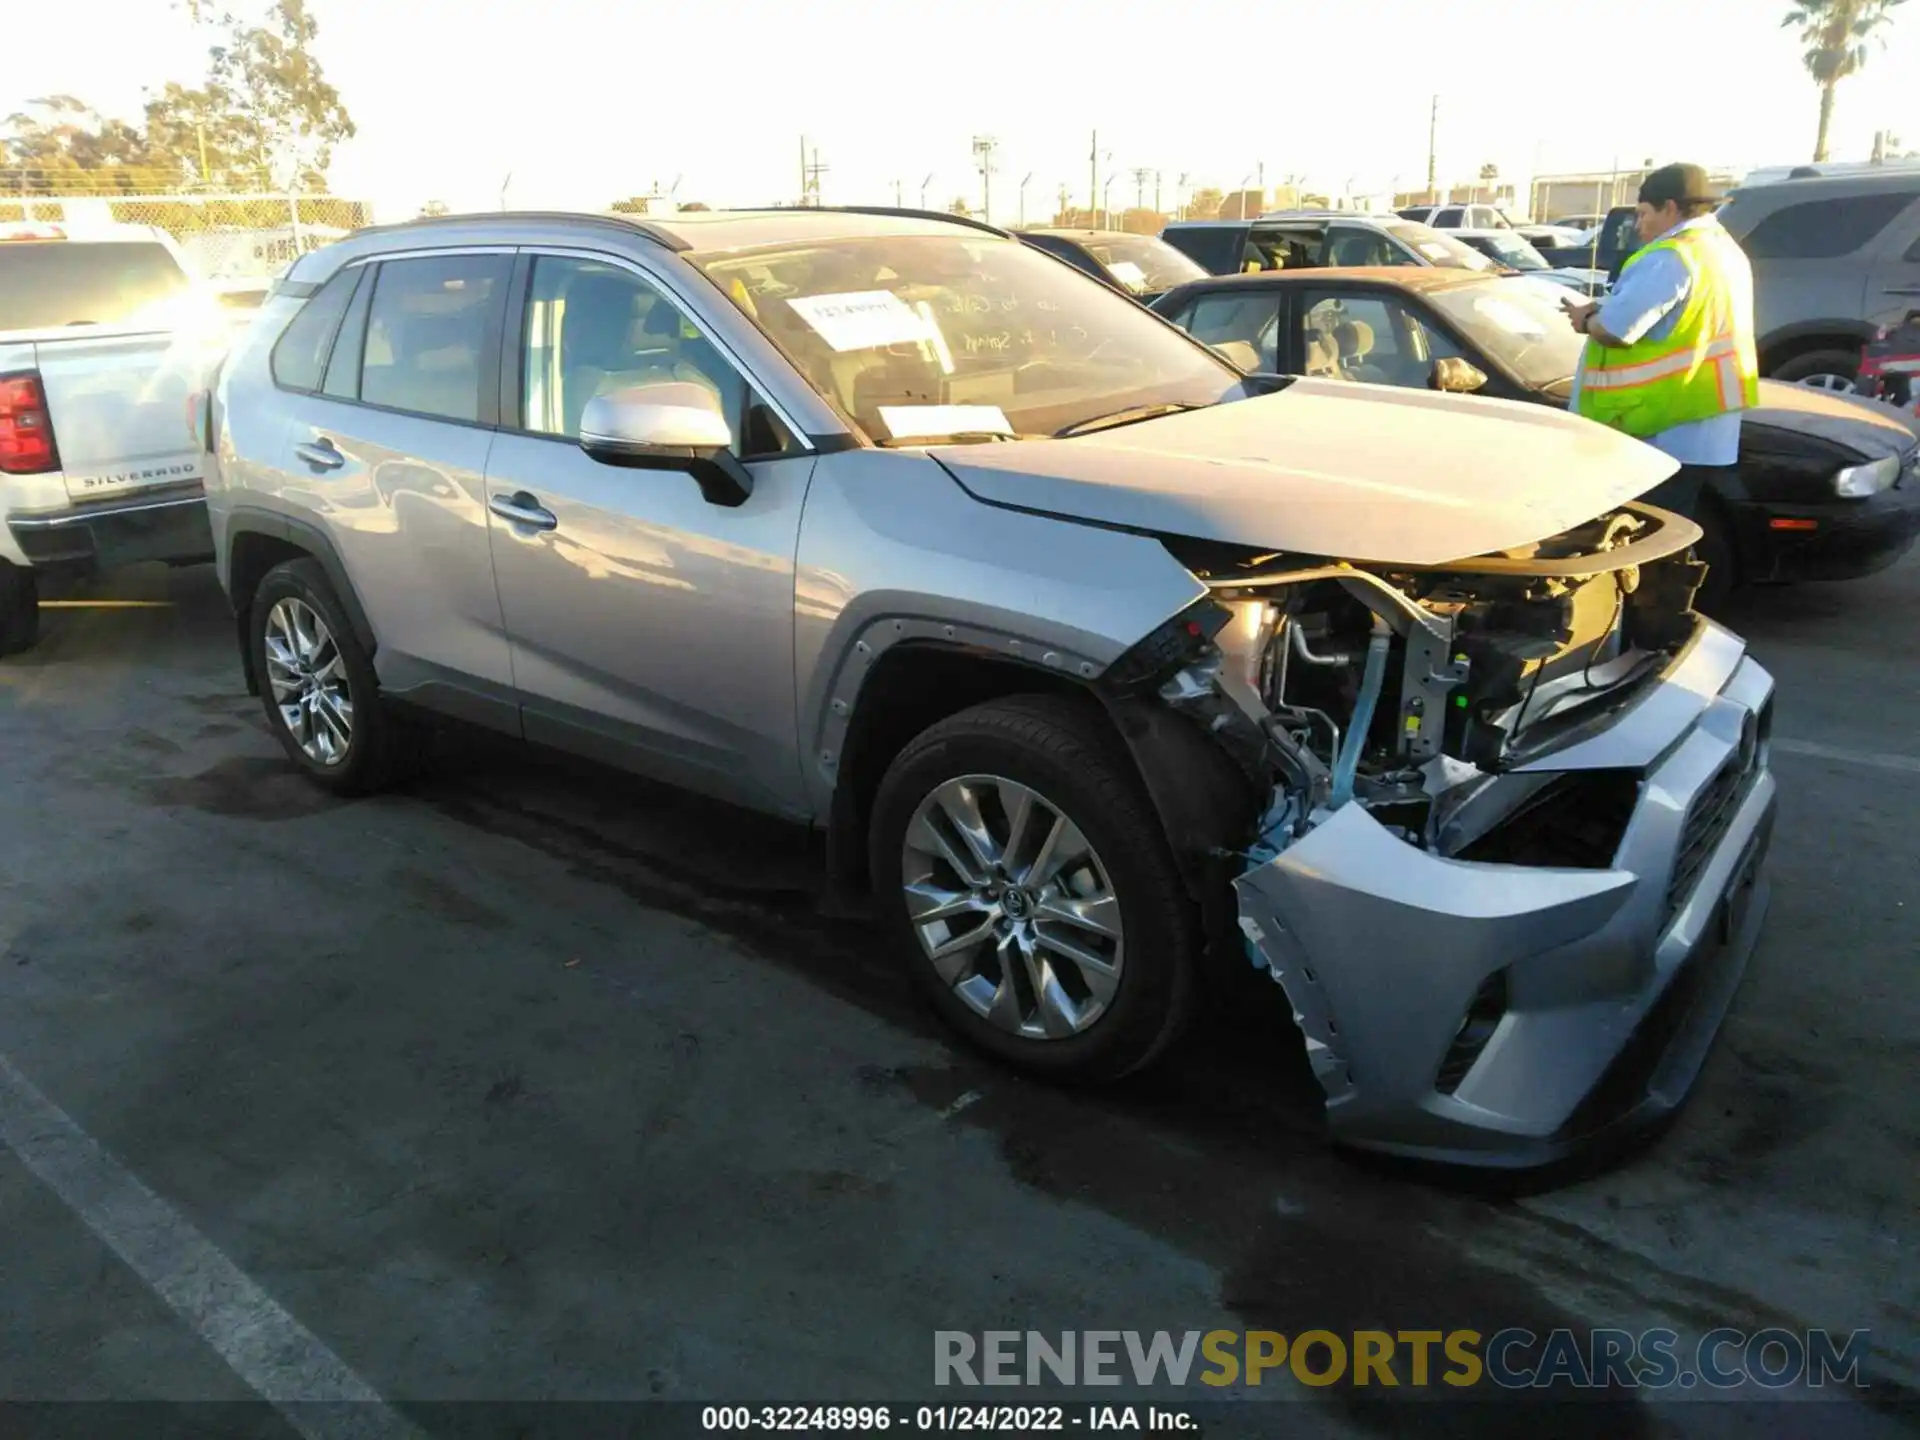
(1514, 808)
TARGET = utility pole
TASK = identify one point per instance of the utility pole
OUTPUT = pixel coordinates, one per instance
(1156, 192)
(1140, 175)
(983, 148)
(1093, 174)
(200, 127)
(810, 172)
(898, 204)
(1060, 216)
(1433, 131)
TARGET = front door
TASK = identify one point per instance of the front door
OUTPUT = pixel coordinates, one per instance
(650, 627)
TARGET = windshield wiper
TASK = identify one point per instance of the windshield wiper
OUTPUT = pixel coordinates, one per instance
(1127, 416)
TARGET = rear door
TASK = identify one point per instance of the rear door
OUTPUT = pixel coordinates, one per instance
(393, 417)
(122, 340)
(1893, 279)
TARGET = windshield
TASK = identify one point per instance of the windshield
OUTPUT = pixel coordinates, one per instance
(1511, 251)
(927, 336)
(1145, 264)
(1436, 248)
(45, 284)
(1517, 321)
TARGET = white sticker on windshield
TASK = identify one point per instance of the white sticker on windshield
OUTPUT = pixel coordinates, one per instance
(1129, 274)
(861, 319)
(1433, 251)
(914, 422)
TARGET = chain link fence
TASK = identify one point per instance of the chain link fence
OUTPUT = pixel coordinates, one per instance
(224, 236)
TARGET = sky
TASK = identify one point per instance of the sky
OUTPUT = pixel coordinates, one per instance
(578, 103)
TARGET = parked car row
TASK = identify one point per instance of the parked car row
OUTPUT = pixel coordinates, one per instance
(1113, 665)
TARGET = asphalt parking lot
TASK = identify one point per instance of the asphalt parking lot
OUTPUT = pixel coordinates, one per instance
(537, 1083)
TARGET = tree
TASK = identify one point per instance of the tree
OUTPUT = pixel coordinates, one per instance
(1834, 35)
(264, 118)
(1204, 203)
(958, 206)
(696, 205)
(1489, 171)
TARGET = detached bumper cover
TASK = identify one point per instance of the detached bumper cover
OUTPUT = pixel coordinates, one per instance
(171, 527)
(1611, 982)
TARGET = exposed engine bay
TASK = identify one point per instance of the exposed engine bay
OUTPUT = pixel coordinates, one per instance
(1397, 688)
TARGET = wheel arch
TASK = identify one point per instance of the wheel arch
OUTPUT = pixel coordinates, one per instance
(1779, 346)
(1202, 799)
(258, 540)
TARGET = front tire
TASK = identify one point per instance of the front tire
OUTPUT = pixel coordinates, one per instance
(19, 609)
(317, 683)
(1025, 876)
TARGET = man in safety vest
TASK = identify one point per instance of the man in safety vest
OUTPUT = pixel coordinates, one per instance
(1670, 355)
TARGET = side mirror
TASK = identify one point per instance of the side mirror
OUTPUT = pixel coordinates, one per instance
(669, 425)
(1457, 376)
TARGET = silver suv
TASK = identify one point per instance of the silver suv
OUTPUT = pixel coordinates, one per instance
(1836, 260)
(1097, 658)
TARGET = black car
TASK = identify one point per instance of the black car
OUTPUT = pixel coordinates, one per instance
(1826, 486)
(1142, 266)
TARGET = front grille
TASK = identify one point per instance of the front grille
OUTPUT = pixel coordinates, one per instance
(1713, 809)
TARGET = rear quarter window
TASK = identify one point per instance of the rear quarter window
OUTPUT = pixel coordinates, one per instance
(1817, 229)
(300, 354)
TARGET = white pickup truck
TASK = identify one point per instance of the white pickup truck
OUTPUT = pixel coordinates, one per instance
(107, 344)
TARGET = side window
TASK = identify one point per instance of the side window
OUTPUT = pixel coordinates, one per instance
(343, 370)
(1235, 318)
(429, 334)
(299, 356)
(593, 328)
(1370, 338)
(1447, 219)
(1822, 229)
(1349, 246)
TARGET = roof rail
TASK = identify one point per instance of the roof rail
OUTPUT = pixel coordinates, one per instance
(631, 223)
(912, 214)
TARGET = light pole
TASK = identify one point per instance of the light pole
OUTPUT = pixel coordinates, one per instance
(983, 148)
(923, 191)
(1240, 196)
(1023, 198)
(1106, 199)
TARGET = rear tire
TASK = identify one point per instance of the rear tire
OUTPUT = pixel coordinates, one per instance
(1088, 998)
(1837, 365)
(318, 687)
(19, 608)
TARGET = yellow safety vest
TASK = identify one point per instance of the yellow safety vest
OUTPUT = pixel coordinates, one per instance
(1705, 367)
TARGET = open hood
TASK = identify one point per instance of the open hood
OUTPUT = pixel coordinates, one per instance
(1327, 468)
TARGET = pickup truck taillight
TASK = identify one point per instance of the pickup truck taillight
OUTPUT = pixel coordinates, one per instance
(26, 431)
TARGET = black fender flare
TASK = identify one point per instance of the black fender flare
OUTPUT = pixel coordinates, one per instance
(305, 536)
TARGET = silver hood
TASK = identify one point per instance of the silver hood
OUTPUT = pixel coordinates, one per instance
(1327, 468)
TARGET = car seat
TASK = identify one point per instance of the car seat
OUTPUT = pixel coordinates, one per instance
(1355, 341)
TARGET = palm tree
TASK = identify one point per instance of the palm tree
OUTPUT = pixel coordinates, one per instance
(1835, 34)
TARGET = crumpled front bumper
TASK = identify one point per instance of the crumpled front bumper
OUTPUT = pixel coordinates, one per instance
(1615, 980)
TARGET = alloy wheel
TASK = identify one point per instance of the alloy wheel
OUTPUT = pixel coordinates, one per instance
(309, 681)
(1013, 907)
(1844, 384)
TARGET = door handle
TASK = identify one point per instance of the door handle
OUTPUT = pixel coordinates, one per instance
(320, 454)
(522, 509)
